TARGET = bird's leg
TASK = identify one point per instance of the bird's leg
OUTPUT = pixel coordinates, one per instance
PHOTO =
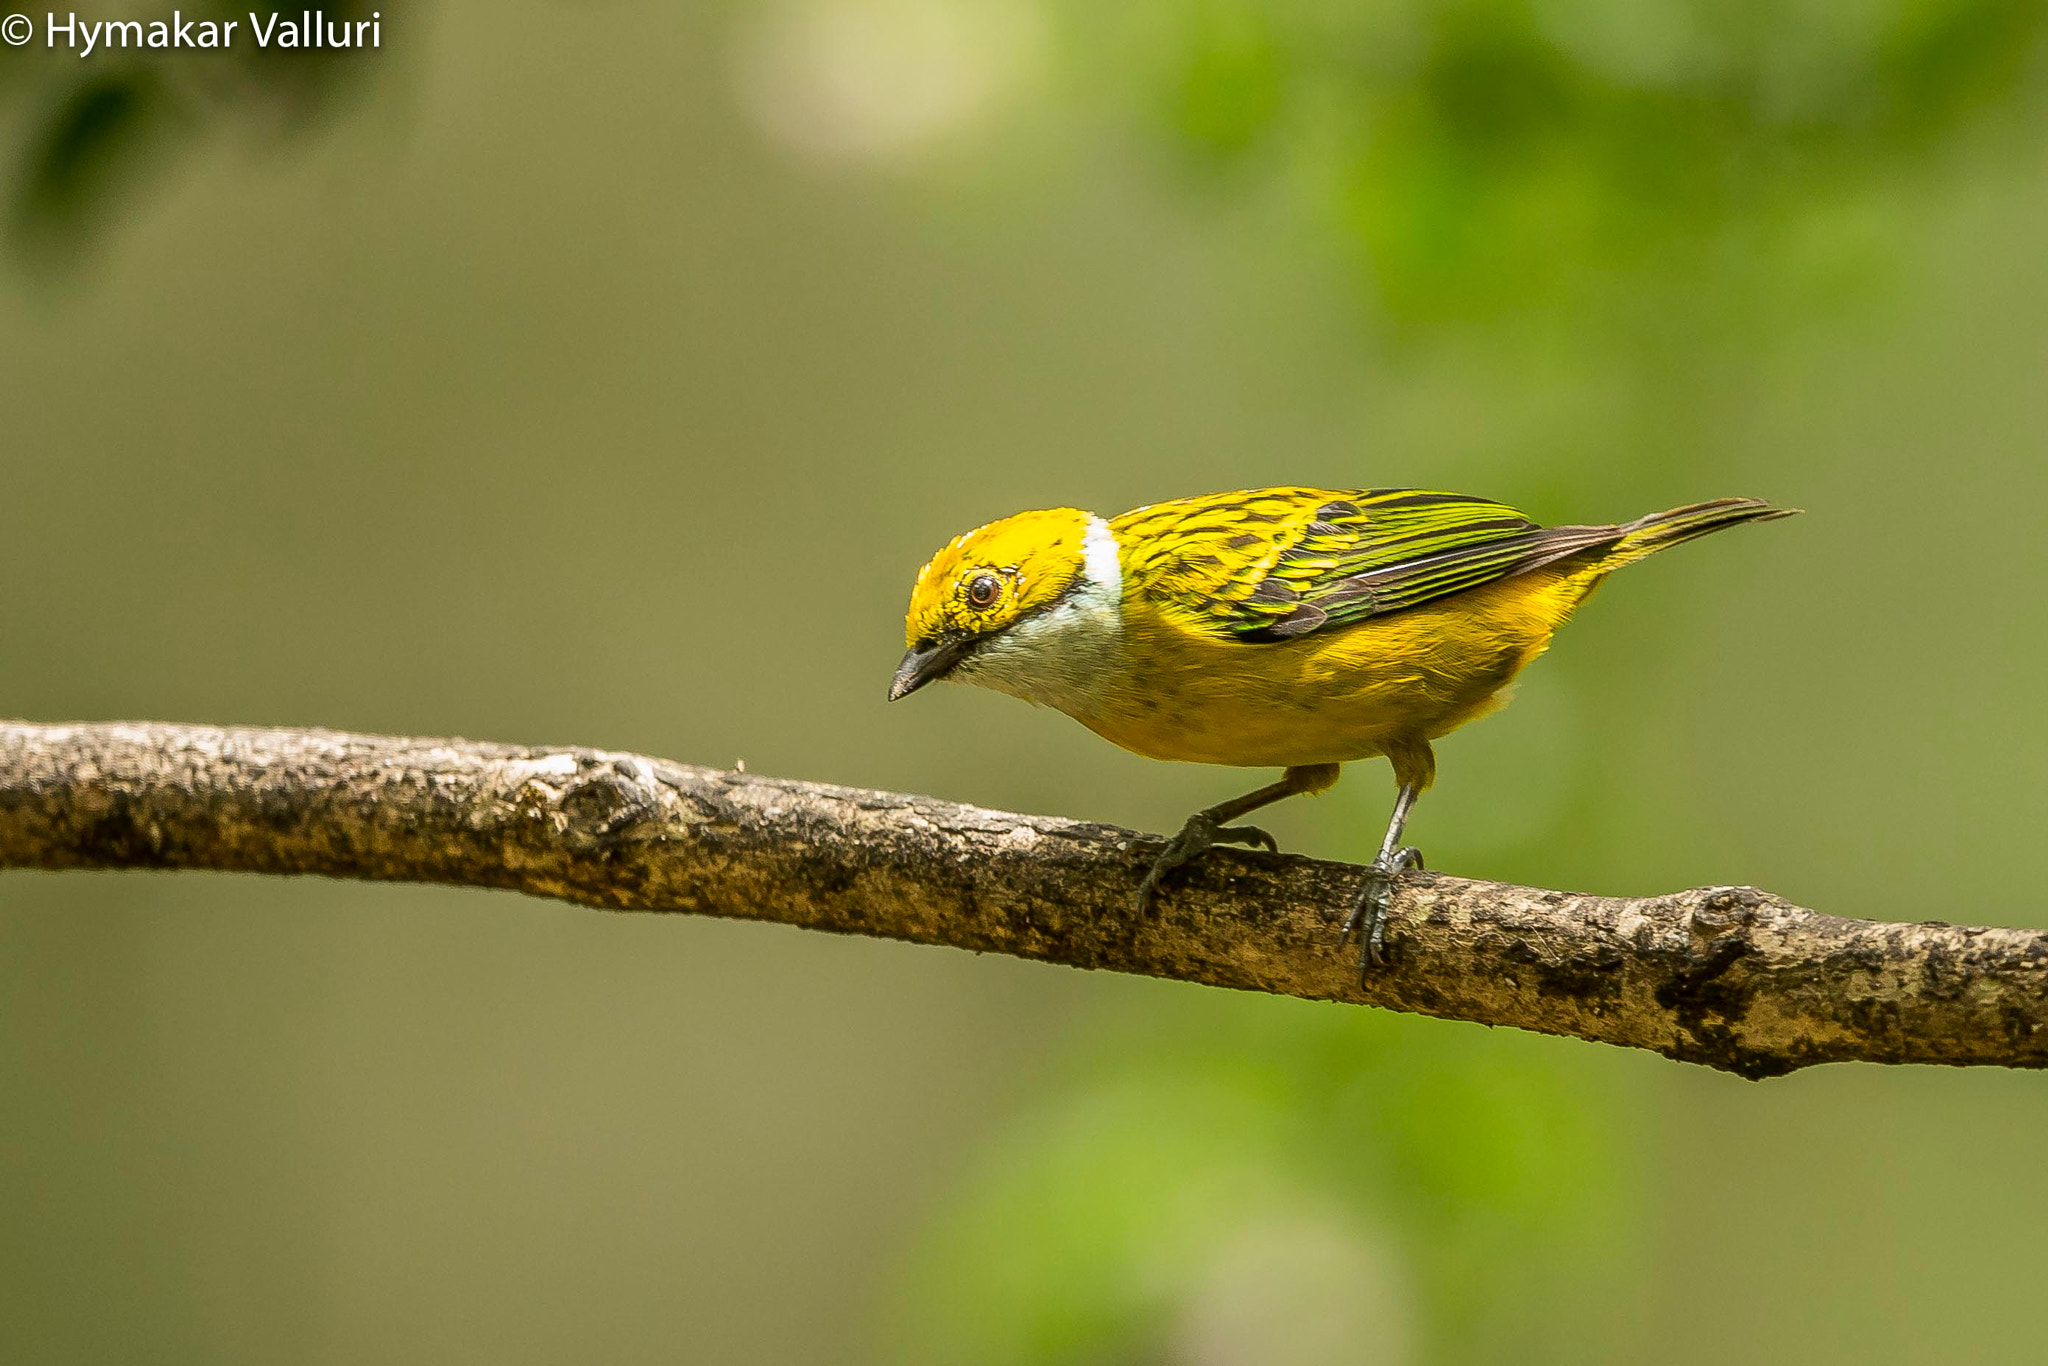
(1369, 915)
(1210, 827)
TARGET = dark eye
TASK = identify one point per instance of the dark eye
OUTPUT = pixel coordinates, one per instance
(983, 590)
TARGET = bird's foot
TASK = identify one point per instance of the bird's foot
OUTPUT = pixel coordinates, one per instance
(1369, 912)
(1200, 833)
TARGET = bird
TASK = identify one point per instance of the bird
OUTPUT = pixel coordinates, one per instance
(1290, 628)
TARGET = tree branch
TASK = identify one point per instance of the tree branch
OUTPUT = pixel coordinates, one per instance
(1729, 977)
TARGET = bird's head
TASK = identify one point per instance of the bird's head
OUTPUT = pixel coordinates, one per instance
(985, 589)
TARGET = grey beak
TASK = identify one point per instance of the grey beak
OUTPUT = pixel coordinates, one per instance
(920, 667)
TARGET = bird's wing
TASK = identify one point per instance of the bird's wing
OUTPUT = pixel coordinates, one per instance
(1273, 564)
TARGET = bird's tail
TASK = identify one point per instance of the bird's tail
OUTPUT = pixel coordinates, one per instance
(1647, 535)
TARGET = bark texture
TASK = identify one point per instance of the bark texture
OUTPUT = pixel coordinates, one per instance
(1729, 977)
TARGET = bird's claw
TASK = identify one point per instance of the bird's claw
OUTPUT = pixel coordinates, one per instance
(1250, 836)
(1369, 913)
(1200, 833)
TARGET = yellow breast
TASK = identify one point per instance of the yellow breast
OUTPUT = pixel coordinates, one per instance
(1330, 696)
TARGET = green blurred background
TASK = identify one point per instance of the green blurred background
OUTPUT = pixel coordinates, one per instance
(601, 373)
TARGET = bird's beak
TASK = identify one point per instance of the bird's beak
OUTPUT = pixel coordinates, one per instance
(920, 667)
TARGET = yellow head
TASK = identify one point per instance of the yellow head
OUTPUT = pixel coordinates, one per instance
(997, 604)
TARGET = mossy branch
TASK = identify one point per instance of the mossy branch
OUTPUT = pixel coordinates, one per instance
(1728, 977)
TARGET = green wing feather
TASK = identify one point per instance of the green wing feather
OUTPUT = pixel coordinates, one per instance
(1273, 564)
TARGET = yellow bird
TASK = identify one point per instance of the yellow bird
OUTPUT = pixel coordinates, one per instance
(1292, 628)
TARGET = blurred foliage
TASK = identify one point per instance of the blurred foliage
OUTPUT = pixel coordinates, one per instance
(1474, 156)
(1480, 155)
(88, 135)
(1470, 1188)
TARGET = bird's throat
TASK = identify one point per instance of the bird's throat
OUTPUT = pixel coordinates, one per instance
(1069, 655)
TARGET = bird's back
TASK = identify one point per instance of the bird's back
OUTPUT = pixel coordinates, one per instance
(1266, 565)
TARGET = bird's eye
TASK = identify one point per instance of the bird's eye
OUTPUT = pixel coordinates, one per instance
(983, 590)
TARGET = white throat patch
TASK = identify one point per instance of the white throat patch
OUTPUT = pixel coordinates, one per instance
(1064, 656)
